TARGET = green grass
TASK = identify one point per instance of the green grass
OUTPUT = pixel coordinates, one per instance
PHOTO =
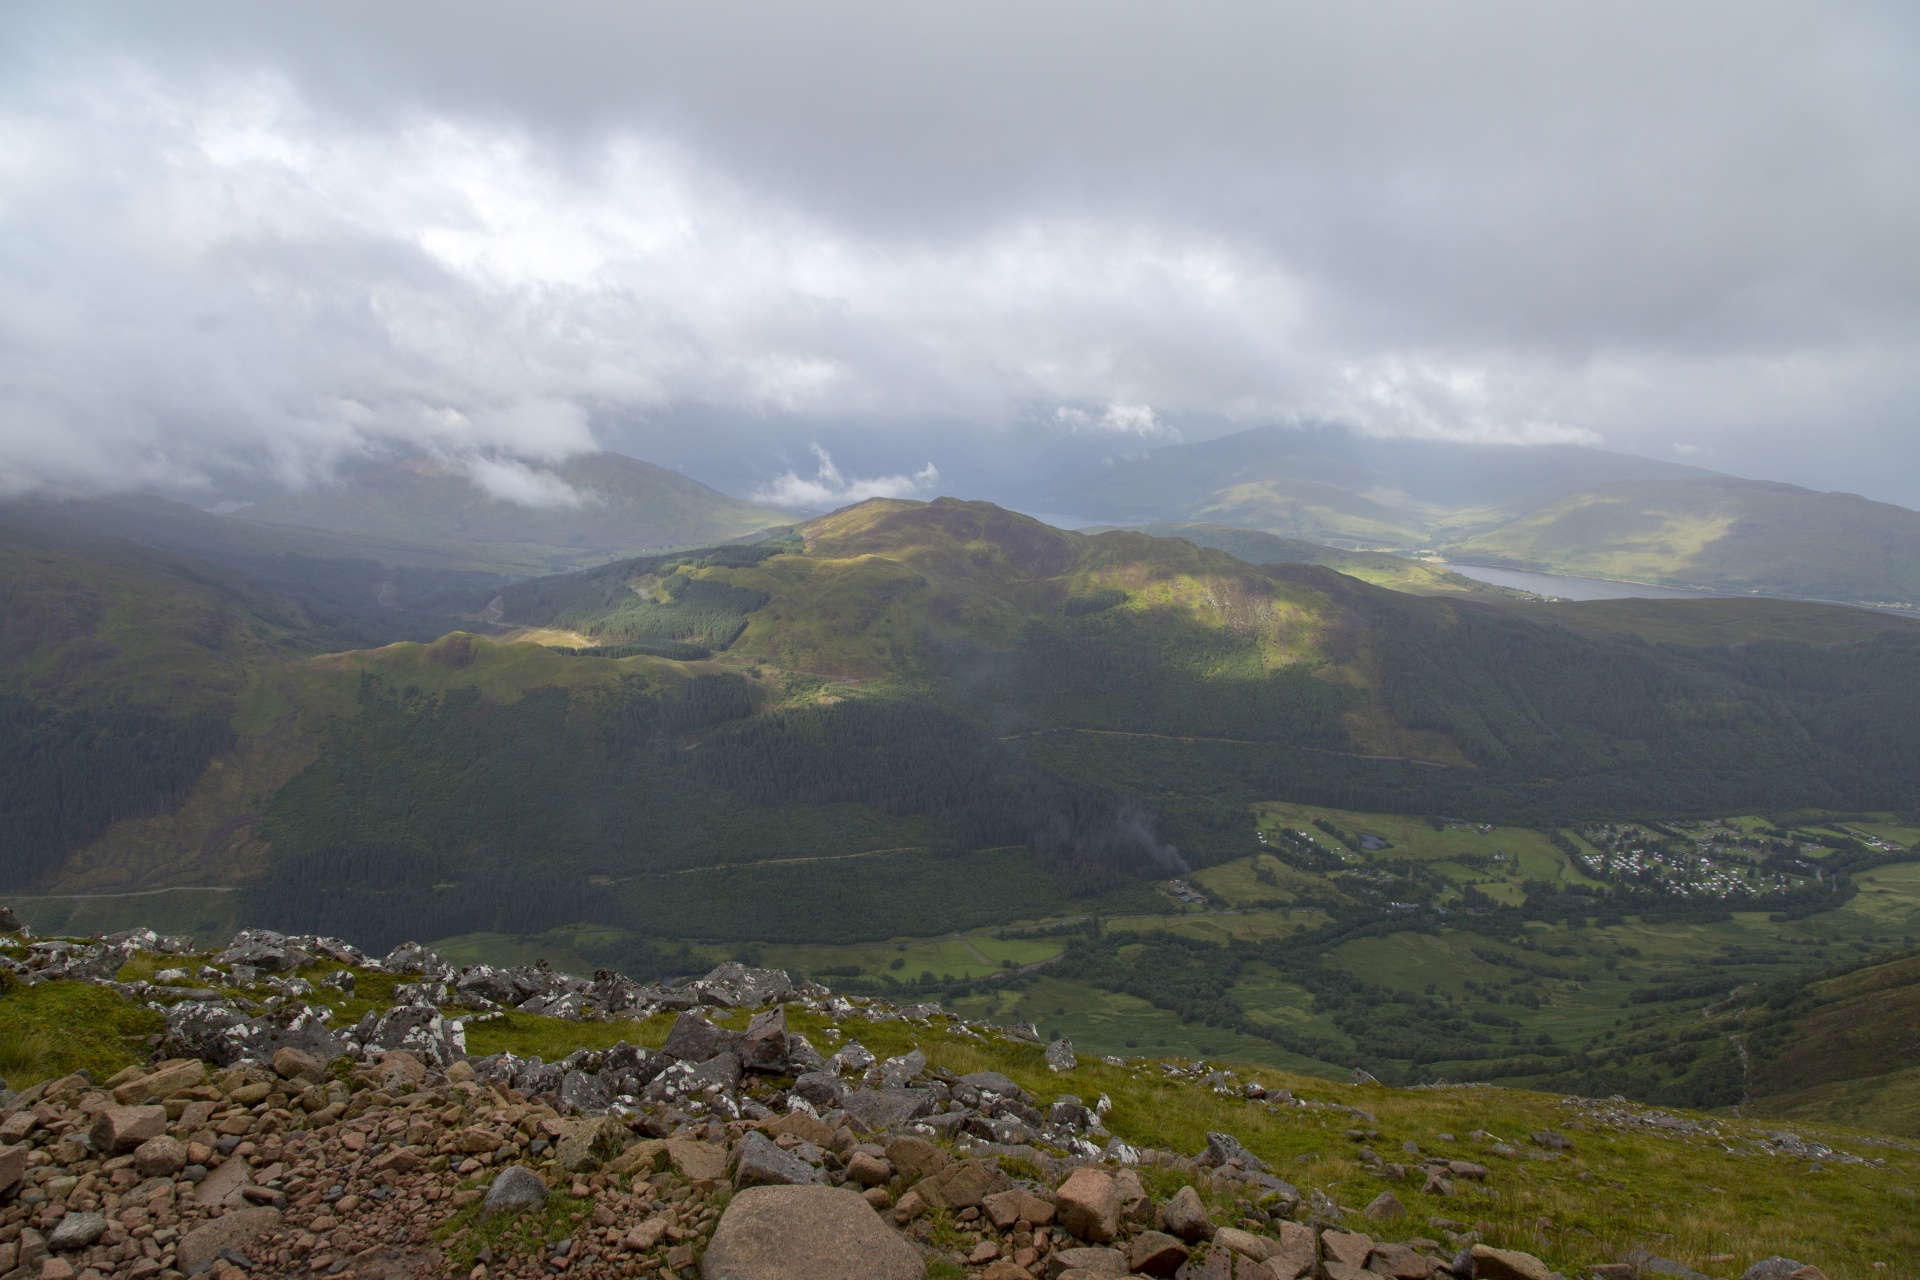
(1686, 1196)
(56, 1028)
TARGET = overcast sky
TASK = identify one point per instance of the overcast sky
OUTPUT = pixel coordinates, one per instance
(811, 251)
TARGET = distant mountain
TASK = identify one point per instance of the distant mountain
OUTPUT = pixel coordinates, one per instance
(1382, 569)
(1720, 534)
(1333, 486)
(591, 507)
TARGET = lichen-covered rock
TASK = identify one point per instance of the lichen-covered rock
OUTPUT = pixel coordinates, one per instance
(515, 1189)
(806, 1233)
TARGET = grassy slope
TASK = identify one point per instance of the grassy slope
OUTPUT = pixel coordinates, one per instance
(633, 506)
(1720, 534)
(1708, 1193)
(95, 622)
(1330, 486)
(1396, 573)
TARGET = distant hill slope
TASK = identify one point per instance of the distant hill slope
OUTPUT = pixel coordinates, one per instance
(602, 504)
(1720, 534)
(1396, 573)
(1842, 1046)
(1335, 486)
(905, 702)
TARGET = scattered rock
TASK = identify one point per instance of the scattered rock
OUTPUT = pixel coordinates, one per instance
(763, 1164)
(1224, 1148)
(1385, 1207)
(1089, 1205)
(1155, 1253)
(590, 1144)
(1774, 1268)
(962, 1185)
(160, 1157)
(77, 1231)
(1490, 1263)
(118, 1130)
(232, 1230)
(515, 1189)
(1060, 1055)
(1245, 1243)
(1185, 1216)
(806, 1233)
(1350, 1247)
(916, 1158)
(1087, 1261)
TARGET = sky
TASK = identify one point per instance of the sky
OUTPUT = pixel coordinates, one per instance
(810, 252)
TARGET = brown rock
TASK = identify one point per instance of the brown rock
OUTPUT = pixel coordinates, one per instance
(963, 1185)
(1385, 1207)
(232, 1230)
(867, 1170)
(1296, 1252)
(648, 1234)
(1346, 1271)
(160, 1157)
(1005, 1269)
(1155, 1253)
(294, 1064)
(400, 1160)
(916, 1158)
(649, 1155)
(13, 1166)
(1185, 1216)
(1509, 1264)
(118, 1130)
(1217, 1265)
(398, 1067)
(1349, 1247)
(169, 1080)
(1089, 1205)
(473, 1140)
(806, 1233)
(1097, 1262)
(222, 1186)
(1244, 1243)
(1009, 1208)
(697, 1161)
(1808, 1272)
(591, 1143)
(910, 1207)
(1399, 1262)
(802, 1126)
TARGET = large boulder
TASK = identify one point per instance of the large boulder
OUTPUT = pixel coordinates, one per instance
(694, 1039)
(806, 1233)
(1089, 1205)
(735, 986)
(765, 1047)
(515, 1189)
(880, 1109)
(119, 1130)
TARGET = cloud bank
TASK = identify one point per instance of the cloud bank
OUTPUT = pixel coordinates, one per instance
(240, 243)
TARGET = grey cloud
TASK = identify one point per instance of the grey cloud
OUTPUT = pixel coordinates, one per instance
(259, 239)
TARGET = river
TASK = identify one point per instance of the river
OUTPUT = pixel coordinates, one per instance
(1570, 588)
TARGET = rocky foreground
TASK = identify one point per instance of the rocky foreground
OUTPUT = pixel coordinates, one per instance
(260, 1140)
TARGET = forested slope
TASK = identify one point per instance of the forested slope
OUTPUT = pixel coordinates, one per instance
(908, 715)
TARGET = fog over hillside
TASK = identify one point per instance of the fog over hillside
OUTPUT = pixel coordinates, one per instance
(809, 254)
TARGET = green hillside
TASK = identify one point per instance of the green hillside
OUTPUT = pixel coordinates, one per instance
(599, 504)
(1718, 534)
(1332, 486)
(1396, 573)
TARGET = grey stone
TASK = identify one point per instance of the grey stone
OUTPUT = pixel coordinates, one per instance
(852, 1056)
(764, 1049)
(735, 986)
(1184, 1215)
(590, 1144)
(821, 1088)
(1224, 1148)
(1089, 1261)
(896, 1072)
(583, 1092)
(763, 1164)
(1774, 1268)
(802, 1057)
(235, 1229)
(516, 1188)
(994, 1082)
(1060, 1055)
(880, 1109)
(806, 1233)
(77, 1231)
(694, 1039)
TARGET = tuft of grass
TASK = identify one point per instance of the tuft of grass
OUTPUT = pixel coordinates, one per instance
(466, 1232)
(57, 1028)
